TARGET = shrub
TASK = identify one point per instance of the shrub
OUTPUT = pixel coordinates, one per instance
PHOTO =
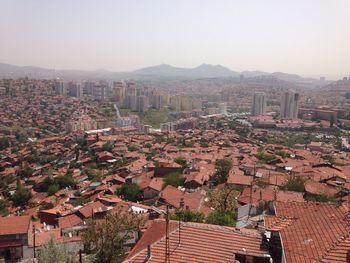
(174, 179)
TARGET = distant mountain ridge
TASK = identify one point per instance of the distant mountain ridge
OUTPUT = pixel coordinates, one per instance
(160, 71)
(202, 71)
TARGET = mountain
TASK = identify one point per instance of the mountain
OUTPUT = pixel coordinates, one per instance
(11, 71)
(202, 71)
(162, 71)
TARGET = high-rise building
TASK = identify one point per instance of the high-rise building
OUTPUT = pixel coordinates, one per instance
(156, 101)
(259, 104)
(99, 91)
(131, 89)
(142, 103)
(289, 105)
(118, 92)
(223, 108)
(196, 104)
(76, 90)
(87, 87)
(60, 87)
(131, 102)
(175, 102)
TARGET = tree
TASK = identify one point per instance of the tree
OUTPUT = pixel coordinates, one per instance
(3, 208)
(132, 148)
(107, 147)
(331, 121)
(174, 179)
(25, 172)
(52, 252)
(222, 218)
(224, 199)
(130, 192)
(77, 152)
(181, 161)
(265, 158)
(187, 216)
(21, 195)
(65, 181)
(53, 189)
(106, 240)
(223, 167)
(4, 143)
(148, 145)
(294, 183)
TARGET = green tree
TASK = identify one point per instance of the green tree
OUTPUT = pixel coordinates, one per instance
(148, 145)
(106, 240)
(187, 216)
(25, 172)
(331, 121)
(222, 218)
(223, 167)
(107, 147)
(53, 189)
(130, 192)
(3, 208)
(181, 161)
(174, 179)
(21, 195)
(294, 183)
(77, 152)
(224, 199)
(132, 148)
(52, 252)
(265, 158)
(4, 143)
(65, 181)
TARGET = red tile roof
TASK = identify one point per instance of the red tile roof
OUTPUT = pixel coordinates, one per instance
(91, 208)
(313, 187)
(318, 232)
(69, 221)
(198, 243)
(156, 184)
(14, 225)
(193, 201)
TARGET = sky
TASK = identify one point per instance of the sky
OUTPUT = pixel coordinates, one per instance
(307, 37)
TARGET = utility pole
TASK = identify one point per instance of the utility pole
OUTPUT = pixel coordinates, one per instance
(167, 244)
(34, 256)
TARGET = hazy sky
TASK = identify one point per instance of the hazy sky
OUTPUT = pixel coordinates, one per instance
(295, 36)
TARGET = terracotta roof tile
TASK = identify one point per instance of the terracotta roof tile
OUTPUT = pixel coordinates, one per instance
(318, 232)
(13, 225)
(198, 243)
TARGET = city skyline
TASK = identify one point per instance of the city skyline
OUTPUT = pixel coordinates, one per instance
(309, 39)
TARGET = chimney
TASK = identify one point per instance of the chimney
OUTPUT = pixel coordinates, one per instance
(182, 203)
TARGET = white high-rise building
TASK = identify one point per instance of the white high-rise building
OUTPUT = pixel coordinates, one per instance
(289, 105)
(259, 104)
(223, 108)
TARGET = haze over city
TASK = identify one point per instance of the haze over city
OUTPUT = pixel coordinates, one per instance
(175, 131)
(310, 38)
